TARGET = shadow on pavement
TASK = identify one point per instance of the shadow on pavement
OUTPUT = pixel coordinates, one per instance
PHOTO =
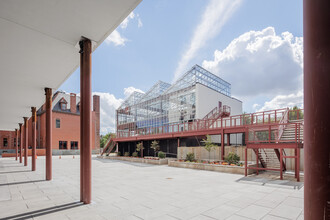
(45, 211)
(17, 183)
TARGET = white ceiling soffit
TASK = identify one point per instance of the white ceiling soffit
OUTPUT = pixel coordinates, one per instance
(37, 41)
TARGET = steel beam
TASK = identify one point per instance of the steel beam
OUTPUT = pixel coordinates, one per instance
(317, 120)
(85, 120)
(20, 142)
(26, 140)
(48, 93)
(34, 139)
(16, 147)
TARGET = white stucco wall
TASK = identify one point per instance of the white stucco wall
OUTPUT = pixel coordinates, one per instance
(207, 99)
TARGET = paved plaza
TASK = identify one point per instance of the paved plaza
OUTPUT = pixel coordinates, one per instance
(123, 190)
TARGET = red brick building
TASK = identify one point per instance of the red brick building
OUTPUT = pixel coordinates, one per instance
(65, 123)
(7, 140)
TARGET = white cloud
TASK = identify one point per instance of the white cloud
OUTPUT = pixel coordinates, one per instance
(116, 39)
(261, 64)
(140, 24)
(213, 19)
(124, 24)
(283, 101)
(129, 90)
(108, 105)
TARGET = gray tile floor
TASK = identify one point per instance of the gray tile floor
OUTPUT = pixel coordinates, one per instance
(123, 190)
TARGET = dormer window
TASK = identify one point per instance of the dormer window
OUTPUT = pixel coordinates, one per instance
(63, 104)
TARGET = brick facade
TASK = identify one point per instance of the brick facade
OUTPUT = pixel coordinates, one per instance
(66, 130)
(7, 140)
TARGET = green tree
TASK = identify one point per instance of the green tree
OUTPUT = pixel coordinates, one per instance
(246, 119)
(293, 113)
(208, 145)
(140, 148)
(155, 146)
(104, 139)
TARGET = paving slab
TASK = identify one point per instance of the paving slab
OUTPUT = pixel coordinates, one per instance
(123, 190)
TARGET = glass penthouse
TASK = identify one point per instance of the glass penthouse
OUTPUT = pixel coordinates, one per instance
(191, 97)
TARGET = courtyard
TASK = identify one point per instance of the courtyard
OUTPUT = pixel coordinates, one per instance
(123, 190)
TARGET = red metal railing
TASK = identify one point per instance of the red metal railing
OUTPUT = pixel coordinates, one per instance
(211, 113)
(236, 121)
(262, 134)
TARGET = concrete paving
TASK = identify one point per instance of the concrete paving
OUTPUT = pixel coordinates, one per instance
(123, 190)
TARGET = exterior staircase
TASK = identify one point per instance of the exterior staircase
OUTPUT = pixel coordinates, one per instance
(289, 132)
(109, 145)
(269, 158)
(216, 113)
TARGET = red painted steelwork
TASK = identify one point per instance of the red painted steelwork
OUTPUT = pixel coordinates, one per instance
(26, 141)
(202, 127)
(48, 93)
(16, 149)
(21, 142)
(316, 102)
(34, 138)
(86, 121)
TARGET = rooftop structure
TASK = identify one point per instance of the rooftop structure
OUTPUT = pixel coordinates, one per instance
(166, 104)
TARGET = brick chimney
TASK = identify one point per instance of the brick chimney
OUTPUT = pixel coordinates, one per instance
(73, 107)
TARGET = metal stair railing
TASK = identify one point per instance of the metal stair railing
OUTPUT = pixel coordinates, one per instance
(107, 145)
(282, 123)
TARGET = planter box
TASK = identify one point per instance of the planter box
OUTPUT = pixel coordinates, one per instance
(212, 167)
(137, 160)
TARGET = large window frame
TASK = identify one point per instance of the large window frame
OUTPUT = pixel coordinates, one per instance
(63, 145)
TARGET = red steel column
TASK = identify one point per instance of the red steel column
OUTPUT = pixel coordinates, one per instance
(20, 142)
(86, 120)
(48, 93)
(34, 139)
(16, 144)
(26, 140)
(316, 105)
(222, 145)
(228, 139)
(246, 163)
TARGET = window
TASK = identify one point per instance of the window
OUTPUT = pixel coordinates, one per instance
(58, 123)
(74, 145)
(63, 106)
(63, 145)
(5, 142)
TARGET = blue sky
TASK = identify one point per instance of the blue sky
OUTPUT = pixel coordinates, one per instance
(166, 38)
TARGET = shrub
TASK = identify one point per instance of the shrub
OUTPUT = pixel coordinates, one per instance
(161, 154)
(232, 158)
(126, 154)
(190, 157)
(118, 153)
(135, 154)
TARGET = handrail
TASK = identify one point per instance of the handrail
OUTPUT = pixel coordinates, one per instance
(273, 128)
(259, 118)
(283, 121)
(211, 113)
(107, 144)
